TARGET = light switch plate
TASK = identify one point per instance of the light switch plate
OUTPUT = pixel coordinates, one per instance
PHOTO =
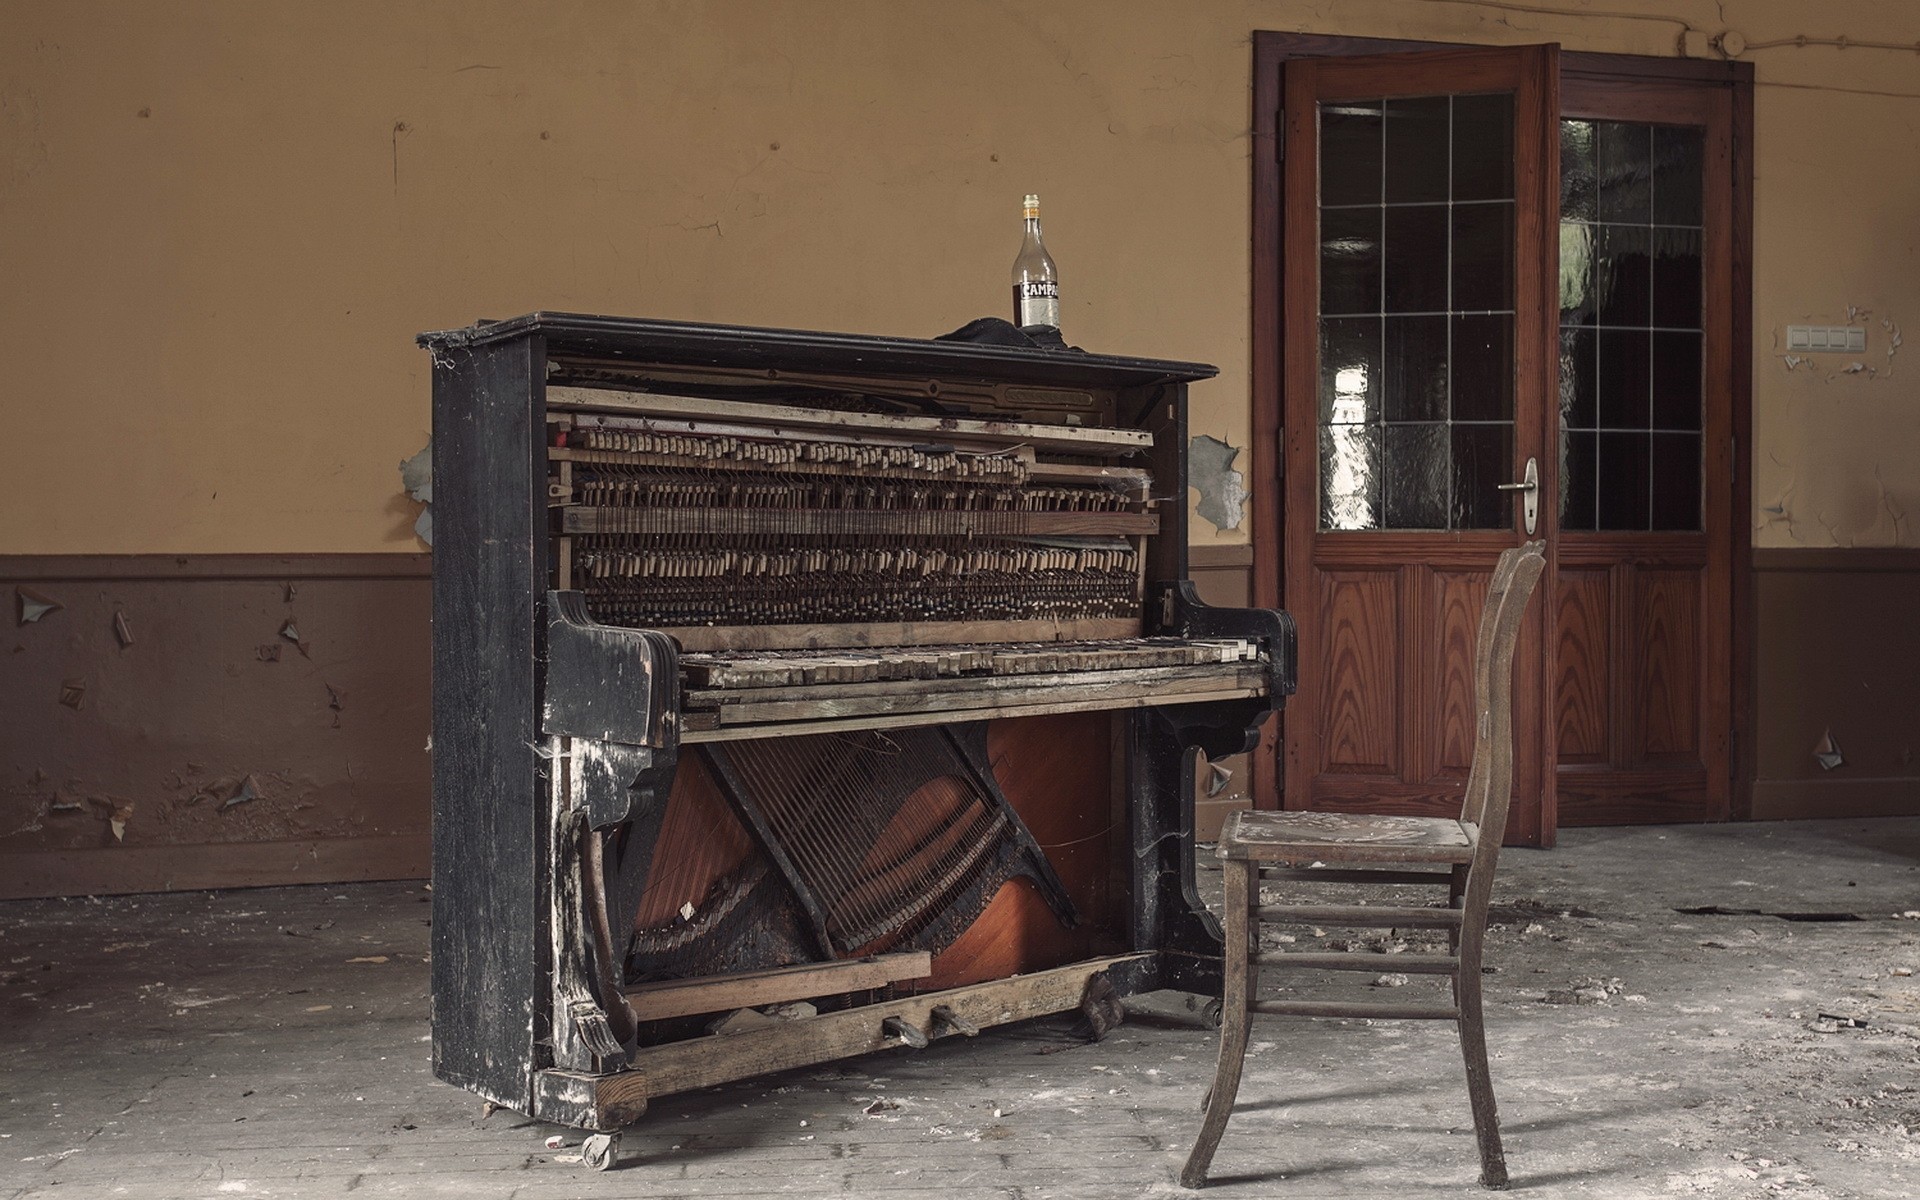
(1835, 339)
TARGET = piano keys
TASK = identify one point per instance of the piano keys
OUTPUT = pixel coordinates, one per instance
(776, 666)
(761, 694)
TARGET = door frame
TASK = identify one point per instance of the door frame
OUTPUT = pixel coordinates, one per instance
(1271, 52)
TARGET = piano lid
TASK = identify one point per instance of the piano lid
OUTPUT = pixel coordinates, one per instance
(695, 344)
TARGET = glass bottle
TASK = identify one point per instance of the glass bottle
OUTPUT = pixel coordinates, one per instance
(1036, 282)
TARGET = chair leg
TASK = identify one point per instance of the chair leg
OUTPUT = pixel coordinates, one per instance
(1235, 1019)
(1456, 893)
(1473, 1047)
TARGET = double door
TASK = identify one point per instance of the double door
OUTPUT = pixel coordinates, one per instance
(1503, 315)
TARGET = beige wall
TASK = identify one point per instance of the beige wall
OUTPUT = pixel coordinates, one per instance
(220, 224)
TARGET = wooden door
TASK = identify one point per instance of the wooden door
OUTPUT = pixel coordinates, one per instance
(1418, 341)
(1643, 606)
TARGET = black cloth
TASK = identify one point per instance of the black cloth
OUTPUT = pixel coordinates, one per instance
(995, 331)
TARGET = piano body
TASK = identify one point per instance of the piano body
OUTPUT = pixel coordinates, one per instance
(774, 666)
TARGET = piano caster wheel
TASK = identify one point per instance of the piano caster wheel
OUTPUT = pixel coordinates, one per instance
(600, 1149)
(1211, 1014)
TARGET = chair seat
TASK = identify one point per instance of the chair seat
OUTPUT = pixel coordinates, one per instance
(1346, 837)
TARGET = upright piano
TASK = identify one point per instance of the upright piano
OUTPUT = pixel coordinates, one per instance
(801, 695)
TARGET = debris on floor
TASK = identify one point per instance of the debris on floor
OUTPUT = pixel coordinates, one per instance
(1706, 1081)
(1584, 991)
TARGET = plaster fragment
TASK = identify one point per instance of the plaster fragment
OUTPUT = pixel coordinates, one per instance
(1826, 752)
(117, 821)
(122, 630)
(249, 789)
(73, 693)
(33, 605)
(416, 476)
(1223, 490)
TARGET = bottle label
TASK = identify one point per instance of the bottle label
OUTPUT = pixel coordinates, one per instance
(1037, 302)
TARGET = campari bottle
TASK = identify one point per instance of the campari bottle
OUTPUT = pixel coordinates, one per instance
(1036, 282)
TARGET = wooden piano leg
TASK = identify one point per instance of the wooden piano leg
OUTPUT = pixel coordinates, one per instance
(600, 1103)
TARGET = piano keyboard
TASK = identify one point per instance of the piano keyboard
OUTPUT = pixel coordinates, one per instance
(765, 694)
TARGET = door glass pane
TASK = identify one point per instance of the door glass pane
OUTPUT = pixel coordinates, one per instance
(1416, 304)
(1630, 321)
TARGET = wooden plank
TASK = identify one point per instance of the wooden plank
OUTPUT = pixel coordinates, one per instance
(1406, 964)
(941, 717)
(776, 985)
(1371, 1010)
(993, 693)
(777, 417)
(802, 522)
(728, 684)
(1362, 916)
(708, 638)
(707, 1061)
(1127, 476)
(1357, 875)
(1047, 472)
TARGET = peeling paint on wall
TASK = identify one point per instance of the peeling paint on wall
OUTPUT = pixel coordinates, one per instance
(1829, 368)
(1832, 462)
(416, 476)
(1222, 490)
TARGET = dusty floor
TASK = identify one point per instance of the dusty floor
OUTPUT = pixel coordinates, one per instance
(273, 1043)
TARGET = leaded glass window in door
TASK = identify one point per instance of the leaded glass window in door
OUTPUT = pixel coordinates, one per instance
(1416, 415)
(1630, 325)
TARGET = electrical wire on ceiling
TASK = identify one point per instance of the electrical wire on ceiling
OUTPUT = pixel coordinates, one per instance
(1730, 43)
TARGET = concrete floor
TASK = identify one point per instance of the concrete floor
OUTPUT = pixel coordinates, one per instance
(273, 1043)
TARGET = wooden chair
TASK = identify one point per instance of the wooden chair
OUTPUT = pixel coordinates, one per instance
(1280, 845)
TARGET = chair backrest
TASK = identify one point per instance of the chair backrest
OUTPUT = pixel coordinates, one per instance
(1490, 779)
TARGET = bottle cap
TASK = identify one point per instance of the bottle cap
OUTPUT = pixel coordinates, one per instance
(1031, 205)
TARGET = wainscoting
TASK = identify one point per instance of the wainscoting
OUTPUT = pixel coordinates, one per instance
(1839, 654)
(1838, 651)
(219, 721)
(242, 720)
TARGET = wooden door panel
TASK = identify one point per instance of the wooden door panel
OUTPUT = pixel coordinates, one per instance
(1582, 654)
(1666, 622)
(1458, 597)
(1360, 620)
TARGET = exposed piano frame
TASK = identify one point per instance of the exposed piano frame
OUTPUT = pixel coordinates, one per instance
(570, 724)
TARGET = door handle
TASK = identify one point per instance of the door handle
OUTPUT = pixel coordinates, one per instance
(1529, 489)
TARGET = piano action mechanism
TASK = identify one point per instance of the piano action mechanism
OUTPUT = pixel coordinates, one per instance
(774, 667)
